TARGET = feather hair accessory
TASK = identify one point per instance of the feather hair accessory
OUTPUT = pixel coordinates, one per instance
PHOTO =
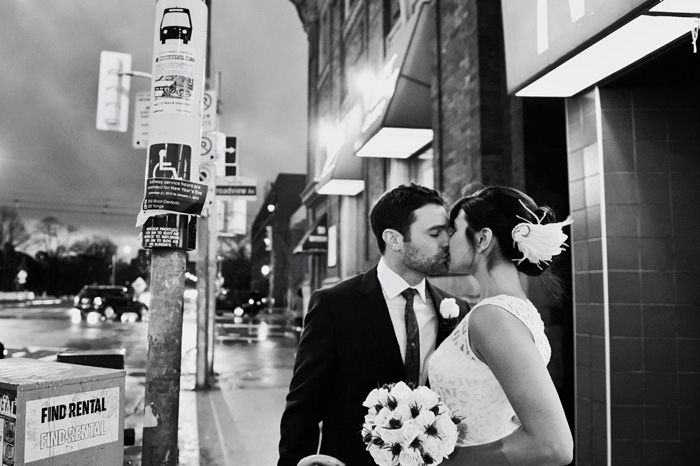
(538, 242)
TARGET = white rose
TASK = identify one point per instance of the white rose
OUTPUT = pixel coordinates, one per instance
(449, 308)
(380, 455)
(382, 416)
(392, 435)
(372, 399)
(446, 427)
(409, 431)
(433, 448)
(382, 395)
(425, 418)
(448, 446)
(424, 397)
(401, 392)
(409, 457)
(402, 412)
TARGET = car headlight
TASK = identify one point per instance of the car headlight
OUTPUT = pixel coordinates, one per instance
(97, 301)
(145, 298)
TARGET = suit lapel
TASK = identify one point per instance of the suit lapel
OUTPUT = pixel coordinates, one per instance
(377, 313)
(437, 297)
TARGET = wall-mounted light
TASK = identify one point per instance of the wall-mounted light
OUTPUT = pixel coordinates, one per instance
(623, 47)
(265, 270)
(365, 82)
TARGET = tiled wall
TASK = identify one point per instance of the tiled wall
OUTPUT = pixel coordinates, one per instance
(635, 198)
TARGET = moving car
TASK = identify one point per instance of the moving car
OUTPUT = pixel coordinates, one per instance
(110, 301)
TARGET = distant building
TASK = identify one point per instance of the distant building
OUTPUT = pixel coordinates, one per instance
(272, 239)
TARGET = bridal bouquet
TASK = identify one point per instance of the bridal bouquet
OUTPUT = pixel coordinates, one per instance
(408, 427)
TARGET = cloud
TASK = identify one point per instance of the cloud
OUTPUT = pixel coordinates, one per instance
(53, 159)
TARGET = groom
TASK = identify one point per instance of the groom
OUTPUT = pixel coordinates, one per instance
(355, 333)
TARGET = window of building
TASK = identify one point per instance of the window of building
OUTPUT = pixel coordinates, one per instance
(324, 39)
(349, 5)
(392, 14)
(353, 51)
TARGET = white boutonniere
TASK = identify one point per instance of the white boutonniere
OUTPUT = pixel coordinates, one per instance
(449, 309)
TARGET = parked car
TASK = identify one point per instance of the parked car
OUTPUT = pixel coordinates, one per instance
(109, 301)
(240, 303)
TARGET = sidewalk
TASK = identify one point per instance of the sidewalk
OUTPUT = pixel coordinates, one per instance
(237, 421)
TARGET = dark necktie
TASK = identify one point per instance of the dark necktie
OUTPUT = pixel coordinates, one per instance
(412, 362)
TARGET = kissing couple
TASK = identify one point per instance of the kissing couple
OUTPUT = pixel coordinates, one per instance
(390, 324)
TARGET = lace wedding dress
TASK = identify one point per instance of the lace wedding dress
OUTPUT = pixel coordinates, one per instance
(467, 385)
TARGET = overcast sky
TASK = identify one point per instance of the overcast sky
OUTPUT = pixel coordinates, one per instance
(53, 161)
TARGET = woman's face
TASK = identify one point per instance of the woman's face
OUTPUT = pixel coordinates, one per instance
(461, 251)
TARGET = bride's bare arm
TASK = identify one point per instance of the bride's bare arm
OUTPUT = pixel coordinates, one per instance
(506, 345)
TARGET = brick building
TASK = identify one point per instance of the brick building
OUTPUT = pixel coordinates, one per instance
(447, 92)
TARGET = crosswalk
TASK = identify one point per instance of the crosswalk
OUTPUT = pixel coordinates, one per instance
(250, 330)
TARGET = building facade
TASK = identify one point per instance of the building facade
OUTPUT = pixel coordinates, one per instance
(449, 92)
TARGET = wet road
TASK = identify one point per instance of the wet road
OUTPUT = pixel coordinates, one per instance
(254, 357)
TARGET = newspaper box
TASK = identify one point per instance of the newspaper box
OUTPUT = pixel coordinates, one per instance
(53, 413)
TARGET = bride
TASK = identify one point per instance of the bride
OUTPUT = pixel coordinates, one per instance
(492, 369)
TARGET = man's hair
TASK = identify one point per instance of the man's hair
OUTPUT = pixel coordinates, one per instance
(395, 210)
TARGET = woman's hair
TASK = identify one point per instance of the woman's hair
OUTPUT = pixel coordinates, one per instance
(395, 210)
(500, 209)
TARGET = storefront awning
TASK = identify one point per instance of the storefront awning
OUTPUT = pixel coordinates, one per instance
(342, 172)
(398, 120)
(315, 240)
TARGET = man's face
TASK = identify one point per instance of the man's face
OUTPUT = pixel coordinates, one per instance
(461, 250)
(426, 249)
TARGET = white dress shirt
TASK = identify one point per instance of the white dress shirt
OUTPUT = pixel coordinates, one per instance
(392, 286)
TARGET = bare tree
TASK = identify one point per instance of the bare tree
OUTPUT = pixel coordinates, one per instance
(12, 229)
(52, 238)
(12, 234)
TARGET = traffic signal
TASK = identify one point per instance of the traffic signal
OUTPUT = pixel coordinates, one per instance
(113, 91)
(230, 165)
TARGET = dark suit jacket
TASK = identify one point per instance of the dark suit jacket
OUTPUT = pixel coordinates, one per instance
(348, 347)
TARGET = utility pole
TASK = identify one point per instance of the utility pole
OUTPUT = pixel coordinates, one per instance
(206, 296)
(172, 202)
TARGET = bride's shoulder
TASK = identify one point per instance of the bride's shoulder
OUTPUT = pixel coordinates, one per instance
(496, 312)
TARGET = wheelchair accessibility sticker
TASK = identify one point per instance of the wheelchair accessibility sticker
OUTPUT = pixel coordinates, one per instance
(168, 187)
(169, 161)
